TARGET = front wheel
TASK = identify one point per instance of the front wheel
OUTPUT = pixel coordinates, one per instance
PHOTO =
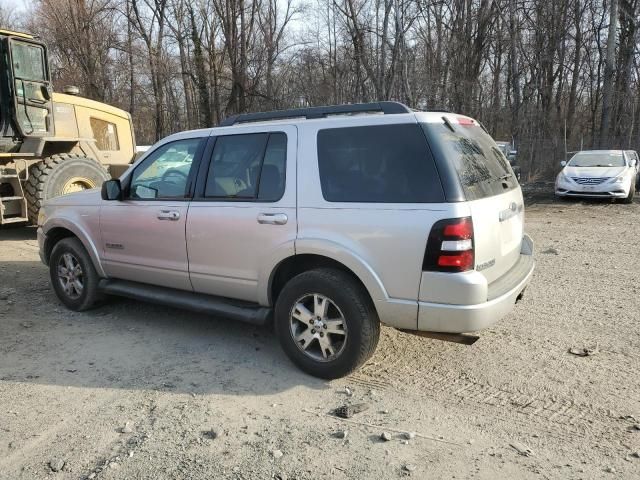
(73, 276)
(326, 323)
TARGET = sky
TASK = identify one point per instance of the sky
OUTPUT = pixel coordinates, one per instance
(19, 5)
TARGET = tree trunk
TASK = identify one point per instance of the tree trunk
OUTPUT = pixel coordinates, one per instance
(608, 75)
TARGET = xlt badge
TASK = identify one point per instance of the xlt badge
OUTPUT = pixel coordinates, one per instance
(485, 265)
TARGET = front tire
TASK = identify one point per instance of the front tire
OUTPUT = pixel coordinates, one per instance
(73, 276)
(58, 175)
(326, 323)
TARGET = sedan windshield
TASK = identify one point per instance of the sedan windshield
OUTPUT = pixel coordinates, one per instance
(597, 159)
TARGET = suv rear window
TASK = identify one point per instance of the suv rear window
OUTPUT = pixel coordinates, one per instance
(482, 168)
(377, 164)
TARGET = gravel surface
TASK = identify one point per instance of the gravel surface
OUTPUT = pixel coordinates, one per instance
(131, 390)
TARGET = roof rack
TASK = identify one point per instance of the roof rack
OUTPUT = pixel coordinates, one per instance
(388, 108)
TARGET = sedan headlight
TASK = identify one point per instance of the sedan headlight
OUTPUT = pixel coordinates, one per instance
(619, 179)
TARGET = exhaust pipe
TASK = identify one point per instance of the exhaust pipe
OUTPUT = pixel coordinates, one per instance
(462, 338)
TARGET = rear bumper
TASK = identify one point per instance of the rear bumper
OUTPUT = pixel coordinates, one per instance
(502, 296)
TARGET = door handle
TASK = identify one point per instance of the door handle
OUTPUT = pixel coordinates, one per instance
(168, 215)
(273, 218)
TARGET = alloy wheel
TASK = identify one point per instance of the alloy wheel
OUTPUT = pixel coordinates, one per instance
(70, 275)
(318, 327)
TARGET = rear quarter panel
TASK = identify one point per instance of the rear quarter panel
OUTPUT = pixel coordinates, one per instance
(386, 242)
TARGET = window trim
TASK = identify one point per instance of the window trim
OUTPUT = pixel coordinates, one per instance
(207, 162)
(189, 187)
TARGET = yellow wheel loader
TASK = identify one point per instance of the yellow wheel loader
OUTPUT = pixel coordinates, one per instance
(51, 143)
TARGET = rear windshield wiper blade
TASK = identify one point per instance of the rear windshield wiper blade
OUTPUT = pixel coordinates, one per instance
(448, 124)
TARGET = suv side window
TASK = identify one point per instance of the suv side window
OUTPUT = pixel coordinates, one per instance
(248, 167)
(164, 173)
(377, 164)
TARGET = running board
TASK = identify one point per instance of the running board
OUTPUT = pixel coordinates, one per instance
(197, 302)
(463, 338)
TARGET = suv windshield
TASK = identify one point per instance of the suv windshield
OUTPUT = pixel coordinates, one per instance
(597, 159)
(481, 165)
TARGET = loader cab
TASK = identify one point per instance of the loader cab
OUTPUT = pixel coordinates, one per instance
(25, 88)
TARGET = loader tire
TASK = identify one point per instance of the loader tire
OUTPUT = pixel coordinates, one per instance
(58, 175)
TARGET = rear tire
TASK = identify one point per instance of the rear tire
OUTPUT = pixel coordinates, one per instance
(73, 276)
(347, 300)
(54, 176)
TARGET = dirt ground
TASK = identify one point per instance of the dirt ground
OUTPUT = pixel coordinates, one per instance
(132, 390)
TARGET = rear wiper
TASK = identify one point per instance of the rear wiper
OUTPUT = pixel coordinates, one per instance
(448, 124)
(506, 176)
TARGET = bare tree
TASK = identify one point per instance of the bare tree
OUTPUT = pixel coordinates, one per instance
(609, 71)
(530, 70)
(7, 18)
(150, 24)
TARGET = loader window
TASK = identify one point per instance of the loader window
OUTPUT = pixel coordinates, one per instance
(28, 61)
(105, 133)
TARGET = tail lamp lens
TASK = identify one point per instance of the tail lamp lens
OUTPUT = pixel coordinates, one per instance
(450, 246)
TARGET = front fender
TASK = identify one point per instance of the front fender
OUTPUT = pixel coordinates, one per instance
(81, 232)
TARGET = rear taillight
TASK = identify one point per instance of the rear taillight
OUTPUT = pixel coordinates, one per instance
(450, 246)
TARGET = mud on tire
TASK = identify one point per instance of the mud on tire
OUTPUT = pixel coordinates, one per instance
(48, 177)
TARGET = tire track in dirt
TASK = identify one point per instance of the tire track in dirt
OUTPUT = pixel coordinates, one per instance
(75, 432)
(561, 417)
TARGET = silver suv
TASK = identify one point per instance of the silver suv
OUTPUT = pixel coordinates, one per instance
(326, 220)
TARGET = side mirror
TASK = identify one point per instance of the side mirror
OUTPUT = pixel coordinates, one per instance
(563, 164)
(112, 190)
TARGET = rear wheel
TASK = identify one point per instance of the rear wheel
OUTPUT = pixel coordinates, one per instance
(73, 276)
(326, 323)
(59, 175)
